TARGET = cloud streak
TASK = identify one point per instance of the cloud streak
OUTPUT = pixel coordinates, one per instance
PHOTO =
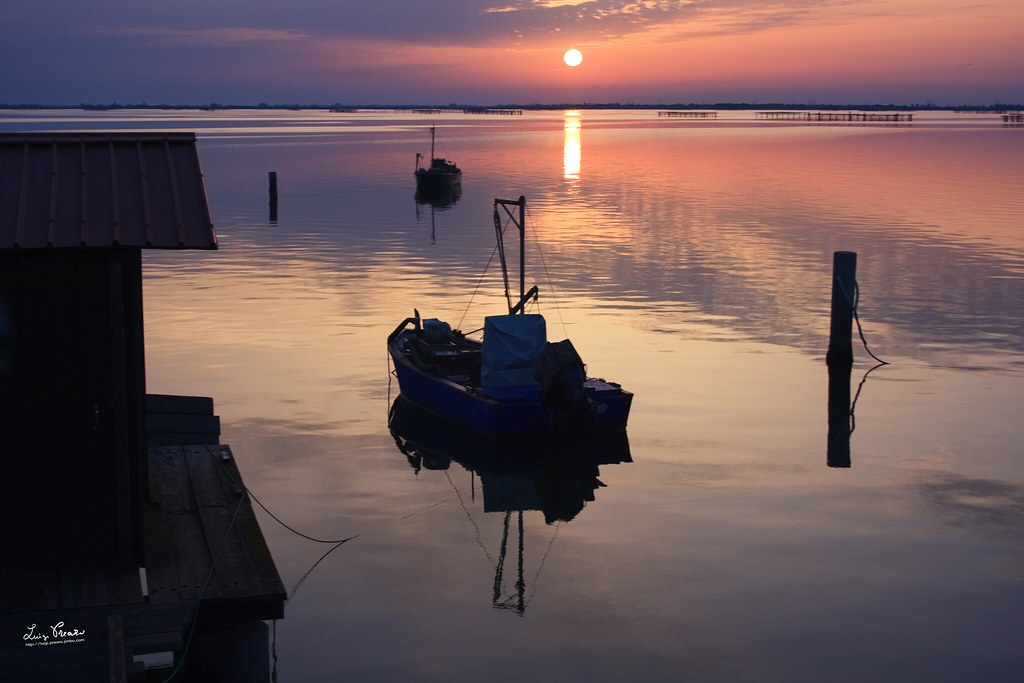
(443, 22)
(602, 20)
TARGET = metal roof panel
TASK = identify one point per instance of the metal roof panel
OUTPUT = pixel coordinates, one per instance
(60, 190)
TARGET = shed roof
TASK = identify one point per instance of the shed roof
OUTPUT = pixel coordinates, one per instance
(103, 190)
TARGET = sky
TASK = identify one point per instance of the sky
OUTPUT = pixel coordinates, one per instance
(492, 52)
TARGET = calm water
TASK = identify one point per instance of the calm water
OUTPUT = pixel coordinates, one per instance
(688, 260)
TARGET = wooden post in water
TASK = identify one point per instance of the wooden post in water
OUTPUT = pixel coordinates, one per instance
(272, 177)
(844, 282)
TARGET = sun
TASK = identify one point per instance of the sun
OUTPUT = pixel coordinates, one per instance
(573, 57)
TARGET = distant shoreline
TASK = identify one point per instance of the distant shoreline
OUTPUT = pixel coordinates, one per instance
(457, 108)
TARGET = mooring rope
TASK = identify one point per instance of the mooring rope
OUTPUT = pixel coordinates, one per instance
(854, 303)
(337, 541)
(477, 288)
(853, 404)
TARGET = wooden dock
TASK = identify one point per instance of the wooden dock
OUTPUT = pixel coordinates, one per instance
(1013, 117)
(172, 420)
(195, 493)
(836, 116)
(196, 511)
(688, 114)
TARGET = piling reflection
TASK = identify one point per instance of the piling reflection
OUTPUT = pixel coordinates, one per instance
(842, 419)
(557, 476)
(839, 415)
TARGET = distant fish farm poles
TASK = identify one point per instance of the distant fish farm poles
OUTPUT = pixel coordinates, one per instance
(493, 112)
(272, 179)
(835, 116)
(844, 283)
(687, 114)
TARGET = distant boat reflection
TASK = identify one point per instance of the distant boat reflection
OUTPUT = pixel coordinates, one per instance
(438, 199)
(555, 475)
(572, 150)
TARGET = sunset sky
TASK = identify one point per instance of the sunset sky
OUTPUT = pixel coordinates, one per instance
(510, 51)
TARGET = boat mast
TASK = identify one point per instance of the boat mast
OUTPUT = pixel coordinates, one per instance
(432, 144)
(520, 222)
(515, 603)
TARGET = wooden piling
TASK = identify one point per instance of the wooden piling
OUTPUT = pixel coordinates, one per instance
(272, 178)
(844, 281)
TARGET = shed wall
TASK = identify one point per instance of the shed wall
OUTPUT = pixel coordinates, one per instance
(72, 388)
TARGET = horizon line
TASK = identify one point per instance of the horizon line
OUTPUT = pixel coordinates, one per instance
(455, 107)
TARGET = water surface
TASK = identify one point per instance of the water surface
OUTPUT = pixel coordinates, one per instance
(688, 260)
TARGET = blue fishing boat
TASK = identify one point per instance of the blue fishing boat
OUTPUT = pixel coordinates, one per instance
(513, 381)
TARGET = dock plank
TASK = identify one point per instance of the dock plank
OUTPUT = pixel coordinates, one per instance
(117, 663)
(173, 420)
(71, 587)
(245, 580)
(167, 403)
(35, 591)
(182, 531)
(219, 501)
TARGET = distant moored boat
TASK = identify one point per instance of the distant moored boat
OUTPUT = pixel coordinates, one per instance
(441, 175)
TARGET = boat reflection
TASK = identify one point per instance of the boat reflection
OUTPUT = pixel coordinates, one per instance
(440, 199)
(556, 475)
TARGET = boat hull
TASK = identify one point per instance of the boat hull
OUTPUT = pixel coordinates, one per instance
(437, 181)
(509, 411)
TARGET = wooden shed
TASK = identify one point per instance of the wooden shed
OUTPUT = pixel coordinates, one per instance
(76, 210)
(121, 514)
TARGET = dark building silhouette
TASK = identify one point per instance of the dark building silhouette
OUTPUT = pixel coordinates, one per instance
(106, 525)
(75, 213)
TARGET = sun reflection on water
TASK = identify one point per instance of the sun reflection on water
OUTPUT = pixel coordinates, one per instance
(572, 150)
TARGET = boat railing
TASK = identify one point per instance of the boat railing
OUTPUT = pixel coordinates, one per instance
(415, 321)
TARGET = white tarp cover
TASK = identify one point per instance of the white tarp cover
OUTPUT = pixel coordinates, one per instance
(513, 345)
